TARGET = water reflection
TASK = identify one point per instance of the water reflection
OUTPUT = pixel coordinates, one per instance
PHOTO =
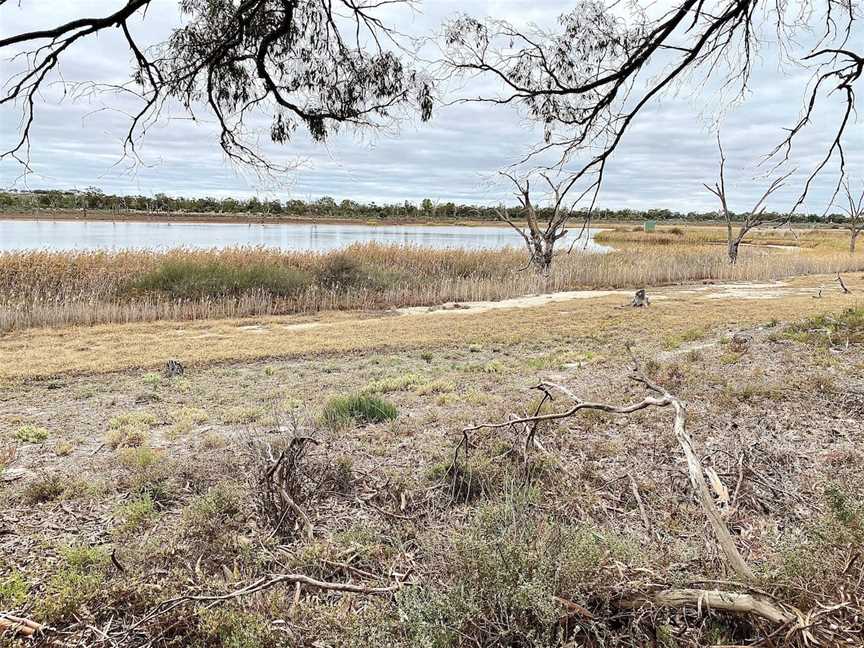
(108, 235)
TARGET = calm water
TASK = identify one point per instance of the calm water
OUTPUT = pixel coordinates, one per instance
(106, 235)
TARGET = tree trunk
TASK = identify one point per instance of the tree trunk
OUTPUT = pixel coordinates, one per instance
(733, 250)
(852, 240)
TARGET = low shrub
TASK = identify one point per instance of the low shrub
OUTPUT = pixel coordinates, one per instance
(504, 572)
(31, 434)
(78, 583)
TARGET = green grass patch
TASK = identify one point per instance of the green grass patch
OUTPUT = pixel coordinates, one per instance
(198, 279)
(341, 411)
(31, 434)
(830, 329)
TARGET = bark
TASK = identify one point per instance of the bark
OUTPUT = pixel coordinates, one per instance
(714, 600)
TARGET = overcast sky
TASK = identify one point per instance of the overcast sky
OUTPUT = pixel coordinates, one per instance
(662, 162)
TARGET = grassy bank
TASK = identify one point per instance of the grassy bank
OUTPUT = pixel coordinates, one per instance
(127, 490)
(58, 289)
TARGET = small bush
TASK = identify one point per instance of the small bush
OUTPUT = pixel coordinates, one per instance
(135, 514)
(130, 430)
(213, 514)
(503, 574)
(31, 434)
(44, 489)
(76, 585)
(234, 629)
(341, 411)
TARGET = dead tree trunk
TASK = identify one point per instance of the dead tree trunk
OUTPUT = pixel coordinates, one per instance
(855, 212)
(752, 220)
(540, 236)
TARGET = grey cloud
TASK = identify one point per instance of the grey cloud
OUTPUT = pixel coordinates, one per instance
(662, 162)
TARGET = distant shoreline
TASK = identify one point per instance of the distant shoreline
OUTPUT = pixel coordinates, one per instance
(231, 219)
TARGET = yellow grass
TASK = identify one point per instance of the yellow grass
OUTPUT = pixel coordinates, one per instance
(60, 289)
(39, 353)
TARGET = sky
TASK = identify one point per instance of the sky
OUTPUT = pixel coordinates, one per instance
(662, 162)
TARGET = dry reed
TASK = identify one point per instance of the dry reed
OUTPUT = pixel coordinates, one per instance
(39, 288)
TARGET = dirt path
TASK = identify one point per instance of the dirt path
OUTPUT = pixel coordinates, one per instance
(43, 353)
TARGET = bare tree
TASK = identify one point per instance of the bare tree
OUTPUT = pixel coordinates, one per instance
(588, 81)
(318, 64)
(753, 219)
(543, 232)
(855, 212)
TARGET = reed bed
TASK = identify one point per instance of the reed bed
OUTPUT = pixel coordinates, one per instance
(39, 288)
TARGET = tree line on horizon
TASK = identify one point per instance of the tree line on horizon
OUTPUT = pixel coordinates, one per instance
(326, 207)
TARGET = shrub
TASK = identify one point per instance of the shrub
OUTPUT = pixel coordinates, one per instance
(31, 434)
(213, 514)
(135, 514)
(197, 279)
(77, 583)
(13, 591)
(234, 629)
(44, 489)
(503, 574)
(341, 411)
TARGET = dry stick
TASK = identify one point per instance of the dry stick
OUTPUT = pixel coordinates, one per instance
(18, 625)
(713, 599)
(261, 584)
(843, 285)
(635, 489)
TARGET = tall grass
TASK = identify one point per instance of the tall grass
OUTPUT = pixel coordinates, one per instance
(39, 288)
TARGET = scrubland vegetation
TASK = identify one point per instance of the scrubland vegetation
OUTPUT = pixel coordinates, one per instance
(321, 501)
(57, 289)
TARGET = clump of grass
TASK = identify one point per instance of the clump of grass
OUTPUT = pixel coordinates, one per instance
(438, 386)
(13, 591)
(242, 414)
(63, 448)
(75, 585)
(31, 434)
(342, 411)
(129, 430)
(186, 418)
(393, 384)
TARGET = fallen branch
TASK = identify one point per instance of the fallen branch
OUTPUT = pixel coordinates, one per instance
(694, 466)
(715, 600)
(18, 626)
(266, 582)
